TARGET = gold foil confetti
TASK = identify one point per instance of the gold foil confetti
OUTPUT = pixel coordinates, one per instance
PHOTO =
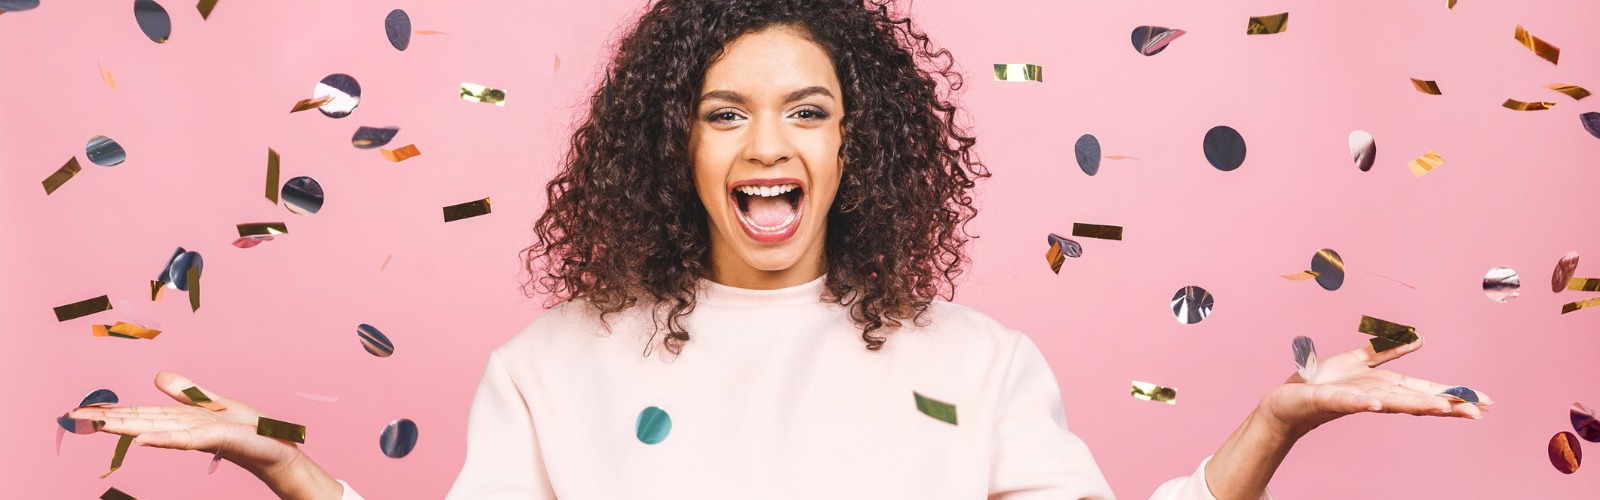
(200, 398)
(262, 228)
(1426, 86)
(105, 74)
(1301, 276)
(312, 103)
(1055, 258)
(1540, 47)
(115, 494)
(83, 308)
(61, 176)
(205, 7)
(1584, 284)
(428, 32)
(1575, 92)
(472, 92)
(1018, 73)
(1449, 4)
(1386, 335)
(272, 175)
(465, 210)
(401, 154)
(125, 330)
(558, 64)
(939, 410)
(1151, 392)
(1267, 25)
(1582, 304)
(155, 289)
(1426, 163)
(1097, 231)
(1119, 157)
(1527, 106)
(116, 457)
(193, 277)
(278, 429)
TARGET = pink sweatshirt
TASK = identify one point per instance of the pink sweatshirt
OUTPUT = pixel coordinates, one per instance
(775, 396)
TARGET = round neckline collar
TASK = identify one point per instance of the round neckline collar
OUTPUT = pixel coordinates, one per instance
(713, 293)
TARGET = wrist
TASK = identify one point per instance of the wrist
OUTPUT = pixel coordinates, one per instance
(1269, 421)
(299, 478)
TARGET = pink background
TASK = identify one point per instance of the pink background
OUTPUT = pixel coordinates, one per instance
(197, 113)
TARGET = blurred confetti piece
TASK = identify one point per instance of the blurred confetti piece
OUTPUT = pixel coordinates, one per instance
(156, 286)
(558, 64)
(1461, 394)
(385, 263)
(216, 458)
(345, 91)
(117, 456)
(1018, 73)
(1119, 157)
(278, 429)
(61, 176)
(1449, 4)
(1401, 283)
(1584, 284)
(397, 26)
(1329, 268)
(262, 228)
(1527, 106)
(1097, 231)
(79, 426)
(1305, 357)
(1192, 304)
(312, 103)
(153, 20)
(401, 154)
(465, 210)
(1068, 247)
(939, 410)
(135, 315)
(199, 398)
(126, 330)
(1426, 86)
(1584, 423)
(1151, 40)
(1363, 149)
(272, 175)
(1591, 123)
(1054, 257)
(1386, 335)
(1540, 47)
(398, 438)
(97, 398)
(18, 5)
(1266, 25)
(1565, 453)
(652, 425)
(318, 398)
(205, 7)
(1300, 276)
(105, 74)
(1500, 284)
(372, 137)
(472, 92)
(428, 32)
(1566, 267)
(1575, 92)
(193, 279)
(1426, 163)
(1151, 392)
(115, 494)
(83, 308)
(374, 341)
(251, 241)
(1087, 152)
(1582, 304)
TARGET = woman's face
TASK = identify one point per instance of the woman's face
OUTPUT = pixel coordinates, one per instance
(765, 145)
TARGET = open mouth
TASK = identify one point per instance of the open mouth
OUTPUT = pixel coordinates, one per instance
(769, 210)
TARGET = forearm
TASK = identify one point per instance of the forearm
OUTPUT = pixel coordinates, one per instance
(300, 479)
(1245, 463)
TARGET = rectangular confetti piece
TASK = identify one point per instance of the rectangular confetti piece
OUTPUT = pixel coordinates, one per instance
(272, 176)
(205, 7)
(61, 176)
(1540, 47)
(1582, 304)
(1514, 104)
(469, 209)
(472, 92)
(1301, 276)
(312, 103)
(1426, 163)
(1151, 392)
(1584, 284)
(1018, 73)
(401, 154)
(262, 228)
(1426, 86)
(1055, 257)
(1387, 335)
(115, 494)
(1097, 231)
(155, 289)
(278, 429)
(939, 410)
(199, 398)
(83, 308)
(105, 74)
(1267, 25)
(126, 331)
(121, 453)
(1575, 92)
(194, 288)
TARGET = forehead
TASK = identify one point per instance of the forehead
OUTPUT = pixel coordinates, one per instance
(771, 61)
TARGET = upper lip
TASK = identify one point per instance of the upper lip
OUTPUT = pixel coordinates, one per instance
(776, 181)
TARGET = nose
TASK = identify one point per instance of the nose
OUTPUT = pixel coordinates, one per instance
(769, 144)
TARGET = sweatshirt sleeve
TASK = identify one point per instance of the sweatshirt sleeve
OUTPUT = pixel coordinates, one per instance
(503, 457)
(1192, 487)
(349, 493)
(1034, 455)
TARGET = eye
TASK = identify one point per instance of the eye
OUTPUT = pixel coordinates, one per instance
(722, 116)
(811, 114)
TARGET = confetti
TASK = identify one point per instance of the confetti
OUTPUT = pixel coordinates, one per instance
(939, 410)
(61, 176)
(1575, 92)
(156, 286)
(312, 103)
(1300, 276)
(397, 25)
(1584, 284)
(558, 64)
(1192, 304)
(385, 262)
(1097, 231)
(1527, 106)
(1120, 157)
(1363, 149)
(18, 5)
(1087, 152)
(398, 438)
(125, 330)
(115, 494)
(1582, 304)
(401, 154)
(1266, 25)
(262, 228)
(105, 74)
(104, 152)
(472, 92)
(83, 308)
(216, 458)
(200, 399)
(318, 397)
(302, 195)
(1450, 4)
(372, 137)
(1459, 394)
(1591, 123)
(1584, 423)
(344, 90)
(1401, 283)
(1224, 148)
(1426, 86)
(1565, 453)
(153, 20)
(652, 425)
(272, 175)
(1054, 257)
(205, 7)
(193, 279)
(374, 341)
(1305, 357)
(135, 316)
(278, 429)
(1151, 40)
(1500, 284)
(98, 397)
(117, 456)
(1151, 392)
(251, 241)
(1329, 268)
(429, 32)
(1059, 249)
(1018, 73)
(1540, 47)
(80, 426)
(1426, 163)
(465, 210)
(1565, 269)
(1386, 335)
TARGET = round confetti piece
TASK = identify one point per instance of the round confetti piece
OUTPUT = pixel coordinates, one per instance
(1500, 284)
(1305, 357)
(1565, 268)
(1565, 452)
(302, 195)
(1087, 151)
(1460, 394)
(1224, 148)
(398, 438)
(1192, 304)
(18, 5)
(105, 152)
(1584, 423)
(98, 397)
(344, 90)
(1591, 122)
(1329, 268)
(80, 426)
(251, 241)
(397, 25)
(1363, 149)
(652, 425)
(373, 137)
(153, 20)
(1151, 40)
(177, 273)
(374, 341)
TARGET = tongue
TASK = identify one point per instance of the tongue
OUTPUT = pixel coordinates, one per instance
(770, 211)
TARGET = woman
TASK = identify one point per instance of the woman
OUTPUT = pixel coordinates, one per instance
(782, 182)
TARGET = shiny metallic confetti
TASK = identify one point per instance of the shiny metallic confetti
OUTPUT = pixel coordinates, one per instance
(126, 331)
(1300, 276)
(98, 398)
(397, 25)
(1565, 452)
(105, 74)
(1459, 394)
(1386, 335)
(278, 429)
(1449, 4)
(396, 155)
(83, 308)
(1266, 25)
(1514, 104)
(344, 90)
(1151, 40)
(1097, 231)
(79, 426)
(1224, 148)
(1591, 123)
(1054, 257)
(465, 210)
(61, 176)
(205, 7)
(272, 175)
(312, 103)
(398, 438)
(1540, 47)
(115, 494)
(1426, 163)
(1363, 149)
(1329, 268)
(1582, 304)
(939, 410)
(262, 228)
(1305, 357)
(122, 452)
(18, 5)
(1565, 269)
(428, 32)
(1120, 157)
(105, 152)
(1584, 284)
(374, 341)
(1192, 304)
(1018, 73)
(192, 277)
(175, 274)
(1584, 423)
(1426, 86)
(652, 425)
(1068, 247)
(251, 241)
(216, 458)
(153, 20)
(1087, 151)
(302, 195)
(199, 398)
(372, 137)
(156, 286)
(135, 316)
(1151, 392)
(1500, 284)
(1575, 92)
(472, 92)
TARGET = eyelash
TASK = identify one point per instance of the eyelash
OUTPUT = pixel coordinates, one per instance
(722, 116)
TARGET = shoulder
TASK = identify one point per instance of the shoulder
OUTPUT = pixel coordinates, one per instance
(574, 329)
(955, 319)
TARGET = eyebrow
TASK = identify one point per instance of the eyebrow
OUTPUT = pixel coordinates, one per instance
(737, 98)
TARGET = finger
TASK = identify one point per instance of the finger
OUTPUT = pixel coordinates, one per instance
(1434, 388)
(173, 385)
(193, 438)
(1352, 401)
(130, 411)
(1411, 403)
(137, 426)
(1372, 358)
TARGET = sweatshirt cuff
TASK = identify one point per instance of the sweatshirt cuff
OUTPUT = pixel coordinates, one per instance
(1193, 487)
(349, 493)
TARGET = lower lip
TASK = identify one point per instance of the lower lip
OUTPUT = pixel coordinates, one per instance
(764, 235)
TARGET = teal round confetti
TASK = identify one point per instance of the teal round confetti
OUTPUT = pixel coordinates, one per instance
(652, 425)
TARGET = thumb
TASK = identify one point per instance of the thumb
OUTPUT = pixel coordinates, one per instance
(181, 389)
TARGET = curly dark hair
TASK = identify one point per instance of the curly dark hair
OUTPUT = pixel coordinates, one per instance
(624, 222)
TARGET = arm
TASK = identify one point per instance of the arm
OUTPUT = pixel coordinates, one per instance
(503, 455)
(1035, 456)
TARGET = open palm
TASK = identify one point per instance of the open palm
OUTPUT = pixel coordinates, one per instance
(1351, 382)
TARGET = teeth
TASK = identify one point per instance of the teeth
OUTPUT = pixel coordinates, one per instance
(767, 191)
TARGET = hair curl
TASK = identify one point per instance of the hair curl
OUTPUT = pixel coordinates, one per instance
(624, 223)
